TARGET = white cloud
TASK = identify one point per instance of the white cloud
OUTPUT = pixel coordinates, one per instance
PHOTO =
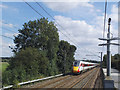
(99, 22)
(11, 34)
(8, 8)
(79, 31)
(66, 6)
(73, 0)
(114, 14)
(98, 10)
(0, 46)
(8, 25)
(6, 51)
(76, 27)
(3, 6)
(2, 23)
(85, 35)
(64, 0)
(85, 4)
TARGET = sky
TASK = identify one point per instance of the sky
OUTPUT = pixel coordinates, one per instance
(82, 23)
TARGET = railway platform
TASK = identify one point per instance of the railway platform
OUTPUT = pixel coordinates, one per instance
(114, 80)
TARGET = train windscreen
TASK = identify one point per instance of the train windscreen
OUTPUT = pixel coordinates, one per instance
(76, 63)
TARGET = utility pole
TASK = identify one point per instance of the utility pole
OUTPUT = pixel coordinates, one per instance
(108, 50)
(108, 47)
(101, 59)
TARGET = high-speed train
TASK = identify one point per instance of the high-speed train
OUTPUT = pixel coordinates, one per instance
(80, 66)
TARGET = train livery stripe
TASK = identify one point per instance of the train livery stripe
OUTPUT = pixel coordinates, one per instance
(85, 65)
(79, 66)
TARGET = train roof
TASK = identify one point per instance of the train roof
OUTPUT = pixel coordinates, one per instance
(85, 62)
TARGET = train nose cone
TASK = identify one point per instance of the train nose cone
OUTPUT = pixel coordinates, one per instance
(75, 69)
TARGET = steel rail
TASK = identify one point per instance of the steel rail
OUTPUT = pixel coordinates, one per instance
(51, 82)
(87, 85)
(83, 79)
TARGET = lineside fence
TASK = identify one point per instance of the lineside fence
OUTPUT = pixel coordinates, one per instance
(32, 81)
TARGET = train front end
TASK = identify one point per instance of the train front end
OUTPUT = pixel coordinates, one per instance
(75, 68)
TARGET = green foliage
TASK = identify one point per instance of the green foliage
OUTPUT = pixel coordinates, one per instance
(15, 84)
(43, 35)
(37, 34)
(117, 57)
(104, 63)
(65, 56)
(3, 66)
(6, 59)
(6, 80)
(25, 65)
(115, 61)
(38, 52)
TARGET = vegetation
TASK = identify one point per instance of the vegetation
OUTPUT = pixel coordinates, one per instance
(115, 61)
(65, 57)
(25, 65)
(3, 66)
(5, 59)
(38, 53)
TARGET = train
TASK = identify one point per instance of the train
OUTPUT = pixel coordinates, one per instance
(81, 66)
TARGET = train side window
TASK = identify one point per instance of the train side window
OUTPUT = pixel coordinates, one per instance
(82, 65)
(86, 65)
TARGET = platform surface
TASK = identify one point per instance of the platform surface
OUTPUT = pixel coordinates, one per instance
(115, 76)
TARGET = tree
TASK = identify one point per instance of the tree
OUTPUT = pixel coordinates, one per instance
(37, 34)
(27, 64)
(65, 56)
(71, 54)
(38, 52)
(115, 61)
(105, 60)
(117, 56)
(40, 34)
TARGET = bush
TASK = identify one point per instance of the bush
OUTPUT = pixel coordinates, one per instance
(115, 61)
(6, 77)
(25, 65)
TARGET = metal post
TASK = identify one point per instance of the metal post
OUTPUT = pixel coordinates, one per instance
(108, 47)
(108, 50)
(101, 59)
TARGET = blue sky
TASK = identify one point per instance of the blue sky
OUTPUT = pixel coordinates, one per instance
(82, 21)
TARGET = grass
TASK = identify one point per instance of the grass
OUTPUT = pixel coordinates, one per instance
(3, 66)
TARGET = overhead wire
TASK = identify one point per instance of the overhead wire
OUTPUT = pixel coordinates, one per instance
(6, 37)
(9, 30)
(51, 16)
(13, 26)
(41, 16)
(57, 24)
(104, 23)
(33, 8)
(104, 19)
(54, 20)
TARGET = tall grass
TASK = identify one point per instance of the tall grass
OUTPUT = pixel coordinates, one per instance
(3, 66)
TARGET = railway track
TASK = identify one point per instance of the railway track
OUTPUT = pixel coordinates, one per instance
(87, 81)
(84, 80)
